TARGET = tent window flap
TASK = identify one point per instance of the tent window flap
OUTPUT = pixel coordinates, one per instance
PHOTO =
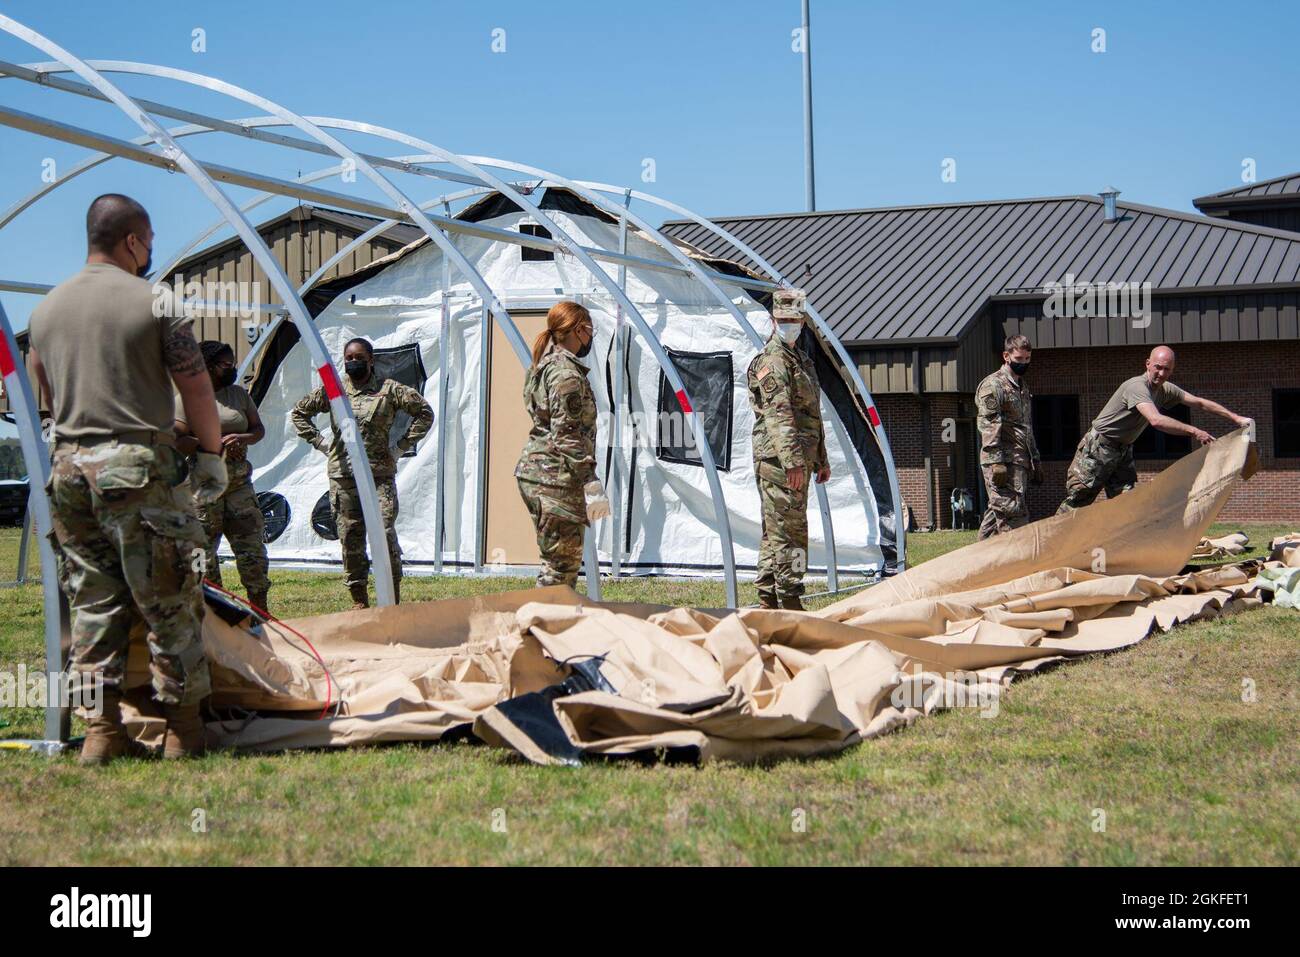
(708, 380)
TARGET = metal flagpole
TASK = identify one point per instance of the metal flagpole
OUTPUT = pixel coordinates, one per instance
(810, 189)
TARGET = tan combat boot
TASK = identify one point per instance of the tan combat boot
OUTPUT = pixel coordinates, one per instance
(792, 602)
(767, 600)
(360, 597)
(186, 736)
(106, 736)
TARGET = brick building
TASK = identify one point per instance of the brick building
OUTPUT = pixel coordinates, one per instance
(923, 297)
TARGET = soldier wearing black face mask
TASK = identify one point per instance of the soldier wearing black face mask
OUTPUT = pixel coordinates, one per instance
(1008, 454)
(375, 403)
(236, 514)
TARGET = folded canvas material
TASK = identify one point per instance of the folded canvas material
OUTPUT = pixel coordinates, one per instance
(734, 685)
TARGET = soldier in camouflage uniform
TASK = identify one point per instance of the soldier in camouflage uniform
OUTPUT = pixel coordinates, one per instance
(1008, 454)
(557, 469)
(1104, 458)
(236, 514)
(789, 449)
(128, 543)
(375, 404)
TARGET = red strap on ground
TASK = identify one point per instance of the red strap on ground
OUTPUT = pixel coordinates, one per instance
(329, 377)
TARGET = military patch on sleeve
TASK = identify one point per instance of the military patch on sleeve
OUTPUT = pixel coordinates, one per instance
(769, 385)
(990, 401)
(573, 402)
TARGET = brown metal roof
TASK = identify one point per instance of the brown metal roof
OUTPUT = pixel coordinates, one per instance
(1288, 185)
(400, 233)
(923, 273)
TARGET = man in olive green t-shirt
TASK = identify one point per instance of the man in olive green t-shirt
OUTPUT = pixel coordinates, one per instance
(1104, 458)
(106, 357)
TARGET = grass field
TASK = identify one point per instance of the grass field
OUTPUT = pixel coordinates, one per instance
(1157, 738)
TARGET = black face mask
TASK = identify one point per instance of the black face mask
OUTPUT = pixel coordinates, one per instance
(143, 271)
(1019, 368)
(584, 350)
(227, 378)
(357, 369)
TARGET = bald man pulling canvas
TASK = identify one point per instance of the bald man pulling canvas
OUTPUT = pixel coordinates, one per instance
(1104, 458)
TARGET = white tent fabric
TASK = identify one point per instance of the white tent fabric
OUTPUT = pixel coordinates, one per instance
(673, 529)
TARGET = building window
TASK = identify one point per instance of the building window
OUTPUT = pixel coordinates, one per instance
(1286, 423)
(1056, 426)
(1154, 444)
(708, 380)
(527, 253)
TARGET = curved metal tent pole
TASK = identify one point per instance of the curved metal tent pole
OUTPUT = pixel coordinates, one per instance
(407, 206)
(97, 159)
(35, 453)
(572, 246)
(334, 260)
(825, 329)
(664, 360)
(173, 260)
(828, 529)
(325, 368)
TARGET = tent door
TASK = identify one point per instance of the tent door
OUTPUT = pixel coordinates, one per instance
(510, 538)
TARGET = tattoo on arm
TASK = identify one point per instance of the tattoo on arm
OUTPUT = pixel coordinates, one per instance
(181, 353)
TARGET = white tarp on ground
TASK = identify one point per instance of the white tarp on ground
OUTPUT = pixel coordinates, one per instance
(673, 527)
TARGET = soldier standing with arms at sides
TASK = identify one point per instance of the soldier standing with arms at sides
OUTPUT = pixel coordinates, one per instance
(557, 469)
(375, 403)
(789, 450)
(1104, 458)
(236, 514)
(1008, 453)
(125, 529)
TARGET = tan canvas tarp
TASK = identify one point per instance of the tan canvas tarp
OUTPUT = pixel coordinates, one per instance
(749, 684)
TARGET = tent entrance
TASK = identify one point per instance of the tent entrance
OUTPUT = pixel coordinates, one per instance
(509, 537)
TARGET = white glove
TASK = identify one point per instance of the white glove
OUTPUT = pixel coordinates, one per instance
(210, 478)
(597, 501)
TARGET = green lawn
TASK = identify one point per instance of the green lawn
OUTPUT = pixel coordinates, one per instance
(1156, 737)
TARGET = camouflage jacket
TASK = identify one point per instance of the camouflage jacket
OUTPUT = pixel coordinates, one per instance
(561, 446)
(786, 399)
(376, 405)
(1005, 421)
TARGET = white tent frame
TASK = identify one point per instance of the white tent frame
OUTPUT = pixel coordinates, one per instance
(159, 148)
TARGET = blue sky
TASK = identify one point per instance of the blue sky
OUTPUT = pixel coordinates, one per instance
(1012, 91)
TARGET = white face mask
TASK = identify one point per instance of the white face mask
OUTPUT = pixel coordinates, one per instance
(789, 331)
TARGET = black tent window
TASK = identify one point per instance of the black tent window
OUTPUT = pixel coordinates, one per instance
(402, 364)
(527, 253)
(1286, 423)
(1056, 426)
(708, 380)
(275, 515)
(1154, 444)
(322, 519)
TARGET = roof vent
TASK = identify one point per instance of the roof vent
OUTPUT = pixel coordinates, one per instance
(1108, 203)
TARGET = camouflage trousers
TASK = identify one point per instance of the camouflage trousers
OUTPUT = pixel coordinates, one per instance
(555, 514)
(783, 551)
(351, 523)
(129, 548)
(1099, 463)
(237, 516)
(1007, 506)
